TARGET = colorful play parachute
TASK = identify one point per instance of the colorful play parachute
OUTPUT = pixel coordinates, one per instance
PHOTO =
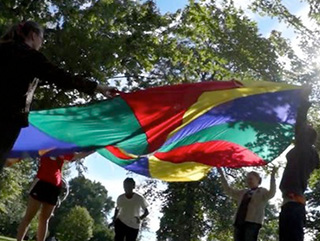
(173, 133)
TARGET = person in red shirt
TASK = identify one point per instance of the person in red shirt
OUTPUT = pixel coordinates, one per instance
(44, 194)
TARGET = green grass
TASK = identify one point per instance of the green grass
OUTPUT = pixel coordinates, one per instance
(6, 239)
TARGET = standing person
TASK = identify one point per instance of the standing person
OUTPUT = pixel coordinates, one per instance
(44, 194)
(21, 65)
(301, 161)
(127, 216)
(251, 205)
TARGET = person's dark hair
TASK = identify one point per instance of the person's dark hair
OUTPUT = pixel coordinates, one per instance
(19, 32)
(256, 175)
(130, 180)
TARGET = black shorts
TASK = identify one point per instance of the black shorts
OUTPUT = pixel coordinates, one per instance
(124, 232)
(45, 192)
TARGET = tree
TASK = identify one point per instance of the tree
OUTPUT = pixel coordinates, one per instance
(97, 39)
(313, 218)
(183, 218)
(131, 43)
(303, 69)
(220, 42)
(313, 194)
(192, 211)
(14, 185)
(105, 39)
(102, 233)
(90, 195)
(77, 225)
(201, 210)
(213, 42)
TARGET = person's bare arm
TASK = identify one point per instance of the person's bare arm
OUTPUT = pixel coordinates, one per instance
(301, 122)
(145, 214)
(272, 191)
(116, 211)
(235, 193)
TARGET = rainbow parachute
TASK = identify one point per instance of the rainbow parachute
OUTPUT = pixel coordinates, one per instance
(173, 133)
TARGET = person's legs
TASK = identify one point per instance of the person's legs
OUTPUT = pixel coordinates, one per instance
(120, 230)
(282, 224)
(44, 217)
(8, 134)
(251, 231)
(291, 222)
(32, 209)
(238, 234)
(132, 234)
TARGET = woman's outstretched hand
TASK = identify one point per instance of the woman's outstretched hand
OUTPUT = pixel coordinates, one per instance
(107, 91)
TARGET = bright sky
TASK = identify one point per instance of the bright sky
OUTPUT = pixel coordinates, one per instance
(112, 176)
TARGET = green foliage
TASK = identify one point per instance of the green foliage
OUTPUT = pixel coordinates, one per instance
(97, 39)
(314, 12)
(181, 213)
(102, 233)
(276, 8)
(313, 217)
(195, 210)
(313, 194)
(90, 195)
(132, 44)
(20, 174)
(304, 68)
(77, 225)
(14, 193)
(270, 227)
(14, 185)
(220, 42)
(201, 210)
(105, 39)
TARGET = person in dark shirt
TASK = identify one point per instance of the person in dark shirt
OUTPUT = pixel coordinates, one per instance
(301, 161)
(21, 67)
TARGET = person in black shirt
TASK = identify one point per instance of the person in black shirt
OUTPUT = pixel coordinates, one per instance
(301, 161)
(21, 67)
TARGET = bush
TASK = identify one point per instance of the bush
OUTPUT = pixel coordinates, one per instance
(78, 225)
(102, 233)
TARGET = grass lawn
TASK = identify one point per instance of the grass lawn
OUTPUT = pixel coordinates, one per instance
(6, 239)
